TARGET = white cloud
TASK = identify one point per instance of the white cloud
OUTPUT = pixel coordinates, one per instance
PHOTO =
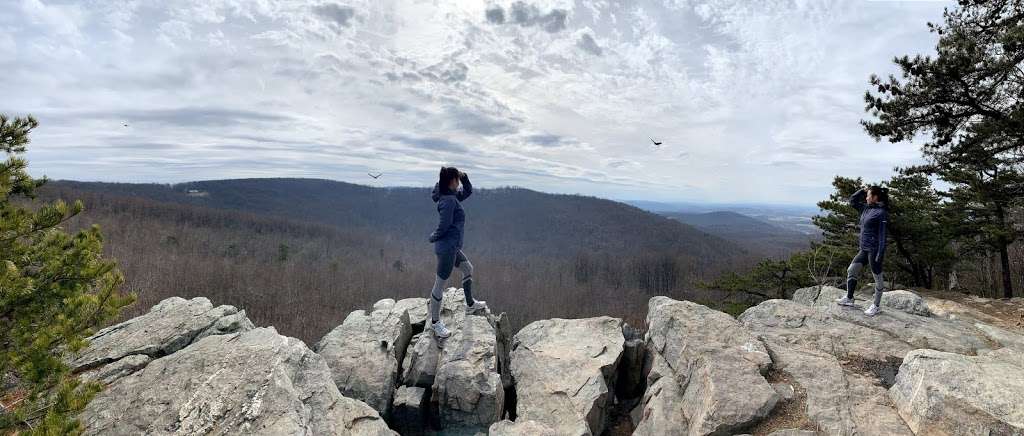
(743, 94)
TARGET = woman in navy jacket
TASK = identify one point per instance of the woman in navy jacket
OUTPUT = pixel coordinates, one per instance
(447, 239)
(872, 203)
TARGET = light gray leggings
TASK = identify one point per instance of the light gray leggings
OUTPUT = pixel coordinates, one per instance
(444, 270)
(853, 272)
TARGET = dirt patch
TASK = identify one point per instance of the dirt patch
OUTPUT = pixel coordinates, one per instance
(883, 370)
(787, 414)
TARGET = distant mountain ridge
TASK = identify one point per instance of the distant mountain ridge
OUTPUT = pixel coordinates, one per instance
(514, 220)
(759, 236)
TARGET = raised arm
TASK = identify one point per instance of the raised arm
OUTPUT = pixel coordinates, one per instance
(446, 209)
(467, 188)
(858, 199)
(434, 195)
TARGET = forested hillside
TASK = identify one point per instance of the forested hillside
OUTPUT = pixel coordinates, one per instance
(757, 236)
(300, 254)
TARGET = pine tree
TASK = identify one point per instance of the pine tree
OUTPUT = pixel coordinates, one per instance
(55, 288)
(968, 101)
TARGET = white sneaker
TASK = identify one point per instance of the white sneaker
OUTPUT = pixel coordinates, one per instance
(872, 311)
(845, 301)
(478, 305)
(440, 330)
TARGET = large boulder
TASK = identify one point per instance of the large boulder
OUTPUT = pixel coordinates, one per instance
(915, 330)
(790, 322)
(467, 386)
(169, 326)
(839, 401)
(365, 351)
(418, 311)
(945, 393)
(717, 364)
(252, 383)
(564, 370)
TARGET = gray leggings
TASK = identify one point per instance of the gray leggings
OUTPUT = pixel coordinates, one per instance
(853, 273)
(445, 263)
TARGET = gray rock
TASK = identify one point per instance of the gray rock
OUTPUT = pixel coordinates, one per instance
(839, 402)
(716, 363)
(409, 413)
(917, 331)
(420, 363)
(111, 372)
(252, 383)
(520, 427)
(169, 326)
(785, 391)
(364, 353)
(659, 412)
(564, 369)
(905, 301)
(945, 393)
(1001, 336)
(814, 328)
(418, 311)
(467, 386)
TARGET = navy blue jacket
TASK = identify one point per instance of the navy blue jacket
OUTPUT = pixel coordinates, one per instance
(873, 219)
(447, 238)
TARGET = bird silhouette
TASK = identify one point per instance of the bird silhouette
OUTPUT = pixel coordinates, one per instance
(656, 143)
(375, 176)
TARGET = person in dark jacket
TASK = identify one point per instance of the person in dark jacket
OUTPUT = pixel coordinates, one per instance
(447, 239)
(872, 203)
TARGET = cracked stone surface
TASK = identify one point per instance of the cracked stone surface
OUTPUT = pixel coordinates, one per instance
(365, 351)
(169, 326)
(716, 366)
(564, 370)
(251, 383)
(946, 393)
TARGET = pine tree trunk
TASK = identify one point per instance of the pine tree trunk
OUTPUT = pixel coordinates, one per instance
(1004, 260)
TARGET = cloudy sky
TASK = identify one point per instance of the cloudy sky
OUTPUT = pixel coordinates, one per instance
(754, 101)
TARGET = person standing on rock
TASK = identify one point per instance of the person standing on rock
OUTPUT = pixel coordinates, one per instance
(447, 239)
(872, 203)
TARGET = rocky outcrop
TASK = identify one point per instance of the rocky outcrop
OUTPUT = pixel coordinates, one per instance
(716, 365)
(915, 331)
(467, 386)
(783, 367)
(169, 326)
(255, 382)
(364, 353)
(839, 401)
(946, 393)
(565, 369)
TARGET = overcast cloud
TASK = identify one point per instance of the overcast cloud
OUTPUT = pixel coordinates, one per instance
(754, 101)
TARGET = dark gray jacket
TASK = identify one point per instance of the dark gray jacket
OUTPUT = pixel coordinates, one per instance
(447, 238)
(873, 219)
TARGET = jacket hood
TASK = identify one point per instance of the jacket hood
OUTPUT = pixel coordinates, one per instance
(438, 192)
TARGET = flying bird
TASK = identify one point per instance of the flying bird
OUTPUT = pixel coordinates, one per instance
(375, 176)
(656, 143)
